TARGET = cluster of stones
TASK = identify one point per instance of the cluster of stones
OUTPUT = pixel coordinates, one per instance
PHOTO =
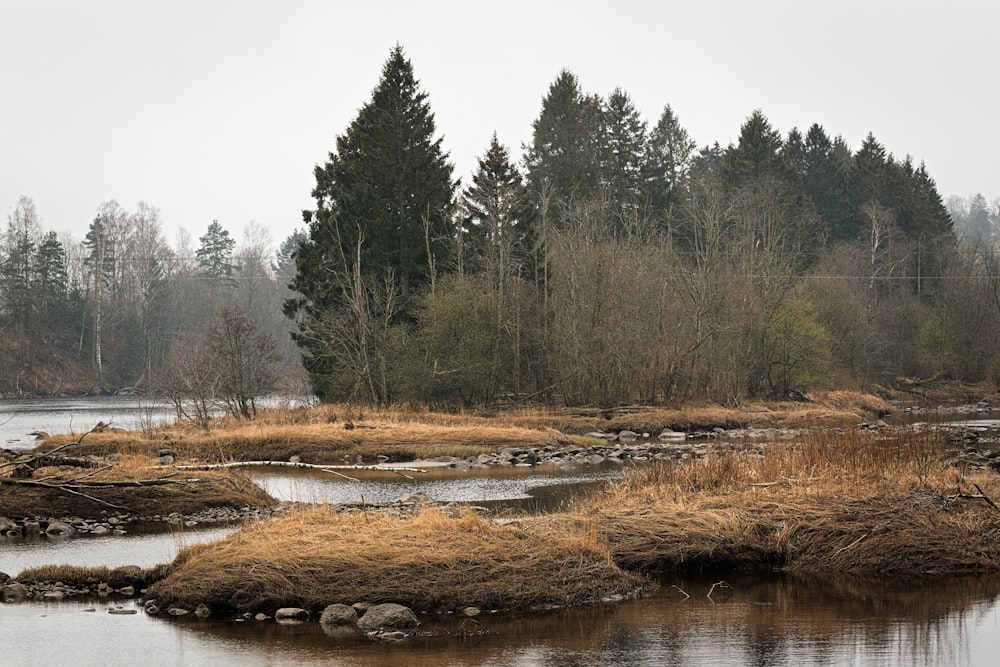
(964, 409)
(14, 591)
(117, 523)
(618, 448)
(381, 622)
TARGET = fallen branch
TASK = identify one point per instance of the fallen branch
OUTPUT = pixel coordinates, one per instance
(102, 485)
(291, 464)
(62, 487)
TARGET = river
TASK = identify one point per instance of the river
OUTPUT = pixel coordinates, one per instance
(761, 619)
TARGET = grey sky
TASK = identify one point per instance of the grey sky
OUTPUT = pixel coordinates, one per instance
(219, 110)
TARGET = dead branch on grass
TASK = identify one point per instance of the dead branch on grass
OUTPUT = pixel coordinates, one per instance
(292, 464)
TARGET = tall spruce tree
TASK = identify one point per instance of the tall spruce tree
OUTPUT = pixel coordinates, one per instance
(669, 156)
(825, 180)
(384, 205)
(624, 150)
(498, 215)
(756, 156)
(215, 255)
(564, 159)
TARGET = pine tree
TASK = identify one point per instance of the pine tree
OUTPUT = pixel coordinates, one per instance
(670, 155)
(384, 205)
(215, 254)
(19, 244)
(824, 180)
(756, 156)
(564, 159)
(389, 186)
(498, 216)
(623, 151)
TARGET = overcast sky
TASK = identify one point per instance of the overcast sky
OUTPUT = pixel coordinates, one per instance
(219, 110)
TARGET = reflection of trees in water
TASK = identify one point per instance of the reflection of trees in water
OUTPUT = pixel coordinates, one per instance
(768, 619)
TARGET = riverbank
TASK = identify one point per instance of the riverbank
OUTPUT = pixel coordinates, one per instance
(862, 501)
(120, 488)
(334, 434)
(855, 496)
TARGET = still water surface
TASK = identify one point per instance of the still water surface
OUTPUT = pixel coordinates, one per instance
(776, 619)
(779, 619)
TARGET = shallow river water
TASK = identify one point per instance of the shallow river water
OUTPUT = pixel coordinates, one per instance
(779, 620)
(762, 619)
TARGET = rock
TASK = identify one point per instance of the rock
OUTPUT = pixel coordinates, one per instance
(59, 528)
(391, 636)
(667, 434)
(291, 614)
(416, 498)
(14, 592)
(261, 617)
(627, 436)
(339, 615)
(389, 615)
(6, 525)
(122, 611)
(471, 611)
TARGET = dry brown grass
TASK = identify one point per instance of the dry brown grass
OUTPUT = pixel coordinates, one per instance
(328, 434)
(316, 440)
(91, 492)
(84, 576)
(317, 557)
(852, 502)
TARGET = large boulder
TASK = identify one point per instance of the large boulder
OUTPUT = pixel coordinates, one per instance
(291, 614)
(13, 592)
(388, 616)
(59, 528)
(339, 615)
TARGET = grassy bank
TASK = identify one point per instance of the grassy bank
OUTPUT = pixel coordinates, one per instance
(130, 484)
(431, 562)
(852, 502)
(327, 434)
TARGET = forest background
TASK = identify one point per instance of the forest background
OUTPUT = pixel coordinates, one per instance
(614, 262)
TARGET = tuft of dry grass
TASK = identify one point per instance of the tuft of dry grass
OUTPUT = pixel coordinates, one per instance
(431, 562)
(84, 576)
(850, 502)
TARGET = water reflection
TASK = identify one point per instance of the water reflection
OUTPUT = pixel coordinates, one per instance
(19, 418)
(540, 487)
(142, 546)
(778, 619)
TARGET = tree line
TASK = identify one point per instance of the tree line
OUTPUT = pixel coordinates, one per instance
(121, 307)
(615, 261)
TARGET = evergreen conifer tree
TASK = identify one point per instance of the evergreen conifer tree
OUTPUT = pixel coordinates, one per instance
(498, 217)
(564, 159)
(215, 255)
(669, 156)
(384, 205)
